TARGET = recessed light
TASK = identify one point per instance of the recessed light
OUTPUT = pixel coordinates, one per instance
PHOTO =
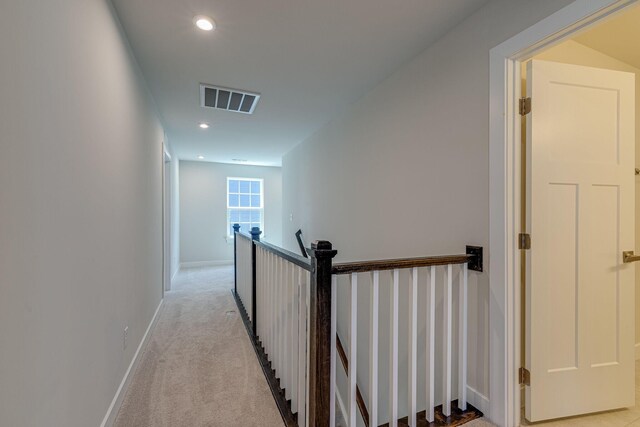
(204, 23)
(203, 126)
(201, 157)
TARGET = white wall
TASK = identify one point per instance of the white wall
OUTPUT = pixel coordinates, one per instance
(203, 209)
(80, 211)
(572, 52)
(405, 171)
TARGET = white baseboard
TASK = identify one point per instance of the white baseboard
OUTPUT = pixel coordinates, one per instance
(112, 412)
(478, 400)
(205, 263)
(638, 351)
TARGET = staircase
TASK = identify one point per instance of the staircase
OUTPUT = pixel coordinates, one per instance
(289, 304)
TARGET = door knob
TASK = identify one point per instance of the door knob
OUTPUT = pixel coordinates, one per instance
(628, 256)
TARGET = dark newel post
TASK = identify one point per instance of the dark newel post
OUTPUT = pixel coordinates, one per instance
(255, 235)
(236, 229)
(320, 333)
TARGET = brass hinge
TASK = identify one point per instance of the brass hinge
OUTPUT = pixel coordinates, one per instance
(524, 376)
(524, 241)
(525, 106)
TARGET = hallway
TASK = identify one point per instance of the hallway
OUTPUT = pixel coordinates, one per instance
(199, 368)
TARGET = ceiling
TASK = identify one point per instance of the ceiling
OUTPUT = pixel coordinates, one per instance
(617, 37)
(308, 59)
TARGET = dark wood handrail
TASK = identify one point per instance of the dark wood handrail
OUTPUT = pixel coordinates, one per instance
(288, 255)
(359, 400)
(392, 264)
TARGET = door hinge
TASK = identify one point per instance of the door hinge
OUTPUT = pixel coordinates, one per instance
(524, 376)
(525, 106)
(524, 241)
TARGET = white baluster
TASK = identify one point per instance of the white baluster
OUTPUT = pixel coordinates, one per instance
(249, 288)
(247, 279)
(274, 314)
(239, 265)
(281, 324)
(285, 329)
(285, 325)
(257, 302)
(413, 349)
(279, 327)
(462, 346)
(285, 332)
(431, 344)
(243, 267)
(353, 351)
(334, 331)
(308, 338)
(373, 330)
(274, 311)
(260, 290)
(272, 268)
(293, 332)
(290, 329)
(277, 350)
(393, 359)
(448, 303)
(302, 353)
(266, 307)
(261, 304)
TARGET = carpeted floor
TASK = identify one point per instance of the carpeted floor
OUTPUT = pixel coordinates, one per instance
(199, 368)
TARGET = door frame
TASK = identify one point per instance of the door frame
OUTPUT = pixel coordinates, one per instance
(505, 196)
(166, 220)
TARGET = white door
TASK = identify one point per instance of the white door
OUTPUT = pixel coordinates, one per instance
(580, 215)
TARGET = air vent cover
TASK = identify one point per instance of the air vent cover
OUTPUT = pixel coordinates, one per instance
(222, 98)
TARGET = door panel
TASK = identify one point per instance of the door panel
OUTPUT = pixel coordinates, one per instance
(563, 199)
(603, 324)
(570, 140)
(579, 325)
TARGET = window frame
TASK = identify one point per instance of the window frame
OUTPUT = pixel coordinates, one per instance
(249, 208)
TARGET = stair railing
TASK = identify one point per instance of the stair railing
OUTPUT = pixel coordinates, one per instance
(370, 274)
(289, 308)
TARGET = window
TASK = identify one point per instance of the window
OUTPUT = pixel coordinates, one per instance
(245, 204)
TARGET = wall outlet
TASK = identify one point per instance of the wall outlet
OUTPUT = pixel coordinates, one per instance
(291, 217)
(124, 337)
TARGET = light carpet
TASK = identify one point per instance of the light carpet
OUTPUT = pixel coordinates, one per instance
(199, 368)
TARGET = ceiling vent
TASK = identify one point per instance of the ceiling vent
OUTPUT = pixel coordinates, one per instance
(235, 100)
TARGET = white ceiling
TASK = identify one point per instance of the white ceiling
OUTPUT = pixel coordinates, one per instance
(617, 37)
(308, 60)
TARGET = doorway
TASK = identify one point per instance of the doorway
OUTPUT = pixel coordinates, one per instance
(166, 220)
(576, 20)
(579, 206)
